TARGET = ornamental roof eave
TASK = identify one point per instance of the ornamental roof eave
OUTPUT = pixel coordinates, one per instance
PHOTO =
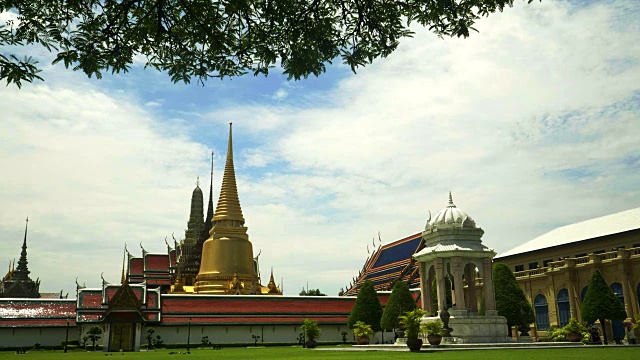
(439, 251)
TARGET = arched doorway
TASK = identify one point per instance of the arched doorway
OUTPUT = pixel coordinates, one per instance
(564, 309)
(542, 312)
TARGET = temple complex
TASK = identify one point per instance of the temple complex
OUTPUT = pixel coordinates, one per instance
(553, 269)
(17, 283)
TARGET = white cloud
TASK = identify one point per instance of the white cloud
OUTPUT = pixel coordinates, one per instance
(92, 171)
(528, 122)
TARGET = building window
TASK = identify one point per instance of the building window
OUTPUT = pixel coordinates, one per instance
(617, 289)
(564, 309)
(583, 293)
(636, 245)
(580, 255)
(599, 252)
(519, 268)
(533, 265)
(542, 312)
(546, 263)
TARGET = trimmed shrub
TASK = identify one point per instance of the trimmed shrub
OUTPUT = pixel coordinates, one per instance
(600, 303)
(367, 307)
(510, 297)
(399, 302)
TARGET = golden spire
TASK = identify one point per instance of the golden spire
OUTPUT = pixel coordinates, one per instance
(228, 207)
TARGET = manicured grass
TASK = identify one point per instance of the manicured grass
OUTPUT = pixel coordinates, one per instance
(587, 353)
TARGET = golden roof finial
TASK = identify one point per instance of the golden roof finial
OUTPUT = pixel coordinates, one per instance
(228, 207)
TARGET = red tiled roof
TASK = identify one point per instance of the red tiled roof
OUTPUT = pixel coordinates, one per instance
(156, 262)
(166, 281)
(32, 309)
(172, 256)
(136, 266)
(151, 316)
(252, 305)
(90, 298)
(254, 320)
(152, 300)
(110, 291)
(36, 322)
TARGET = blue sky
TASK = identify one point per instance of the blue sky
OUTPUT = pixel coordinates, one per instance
(532, 123)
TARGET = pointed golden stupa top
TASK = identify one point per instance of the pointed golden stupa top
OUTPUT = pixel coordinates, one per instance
(228, 207)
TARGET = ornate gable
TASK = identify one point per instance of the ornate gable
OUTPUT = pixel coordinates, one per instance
(124, 299)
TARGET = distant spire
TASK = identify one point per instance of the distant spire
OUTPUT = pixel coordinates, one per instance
(123, 277)
(228, 207)
(22, 272)
(198, 181)
(273, 289)
(208, 220)
(450, 200)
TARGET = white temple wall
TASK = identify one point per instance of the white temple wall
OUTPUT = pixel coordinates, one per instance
(27, 337)
(223, 334)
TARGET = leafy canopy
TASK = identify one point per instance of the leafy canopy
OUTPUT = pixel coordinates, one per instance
(367, 307)
(399, 302)
(600, 302)
(311, 329)
(510, 297)
(311, 292)
(208, 38)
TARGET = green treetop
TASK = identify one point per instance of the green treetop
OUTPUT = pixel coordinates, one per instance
(205, 38)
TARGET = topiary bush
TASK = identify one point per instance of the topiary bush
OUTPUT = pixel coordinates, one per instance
(510, 297)
(367, 307)
(600, 303)
(399, 302)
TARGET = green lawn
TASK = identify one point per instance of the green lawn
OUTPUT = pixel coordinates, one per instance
(596, 352)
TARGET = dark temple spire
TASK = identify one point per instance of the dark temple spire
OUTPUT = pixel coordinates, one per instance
(209, 218)
(22, 272)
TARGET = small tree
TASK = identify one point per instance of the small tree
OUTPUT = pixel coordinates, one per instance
(510, 297)
(600, 303)
(311, 329)
(205, 341)
(367, 307)
(150, 332)
(94, 335)
(399, 302)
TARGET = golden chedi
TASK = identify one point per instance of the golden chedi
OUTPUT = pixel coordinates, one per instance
(227, 265)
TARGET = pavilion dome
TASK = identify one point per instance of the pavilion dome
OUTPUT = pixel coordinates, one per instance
(450, 217)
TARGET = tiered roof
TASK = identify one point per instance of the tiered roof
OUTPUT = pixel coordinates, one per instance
(389, 263)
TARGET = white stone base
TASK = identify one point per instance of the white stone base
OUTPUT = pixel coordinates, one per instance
(475, 329)
(401, 341)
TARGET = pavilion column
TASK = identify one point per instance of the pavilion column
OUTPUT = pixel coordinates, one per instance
(424, 289)
(472, 298)
(440, 288)
(456, 268)
(489, 295)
